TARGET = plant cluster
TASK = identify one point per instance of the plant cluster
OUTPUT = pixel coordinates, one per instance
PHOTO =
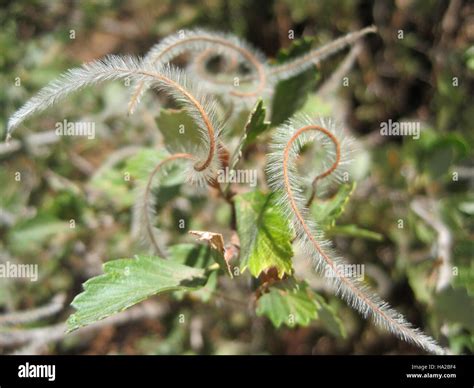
(219, 78)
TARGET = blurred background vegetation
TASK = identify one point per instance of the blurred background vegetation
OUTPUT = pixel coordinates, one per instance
(427, 184)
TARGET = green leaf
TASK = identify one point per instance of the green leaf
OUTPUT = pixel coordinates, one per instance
(218, 250)
(354, 231)
(256, 123)
(326, 212)
(254, 126)
(469, 58)
(292, 303)
(291, 94)
(126, 282)
(288, 303)
(439, 161)
(264, 232)
(179, 130)
(191, 255)
(328, 316)
(199, 256)
(112, 183)
(196, 256)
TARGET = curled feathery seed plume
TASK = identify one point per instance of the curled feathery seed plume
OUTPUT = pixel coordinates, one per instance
(240, 90)
(166, 78)
(198, 41)
(284, 179)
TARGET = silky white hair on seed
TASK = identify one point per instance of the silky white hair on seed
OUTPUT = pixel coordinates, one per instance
(168, 79)
(263, 77)
(285, 132)
(197, 41)
(313, 57)
(283, 178)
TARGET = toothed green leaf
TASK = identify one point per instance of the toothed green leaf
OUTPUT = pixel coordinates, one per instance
(256, 123)
(288, 303)
(254, 126)
(126, 282)
(293, 303)
(265, 235)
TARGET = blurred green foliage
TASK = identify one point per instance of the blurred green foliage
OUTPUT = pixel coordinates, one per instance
(426, 77)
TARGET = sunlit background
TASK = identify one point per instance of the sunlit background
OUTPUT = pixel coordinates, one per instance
(411, 212)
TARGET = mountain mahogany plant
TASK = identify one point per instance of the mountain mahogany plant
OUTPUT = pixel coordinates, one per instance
(222, 78)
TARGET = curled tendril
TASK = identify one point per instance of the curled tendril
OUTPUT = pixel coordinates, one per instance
(284, 179)
(198, 41)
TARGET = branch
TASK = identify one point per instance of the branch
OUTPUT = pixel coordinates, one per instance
(35, 340)
(36, 314)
